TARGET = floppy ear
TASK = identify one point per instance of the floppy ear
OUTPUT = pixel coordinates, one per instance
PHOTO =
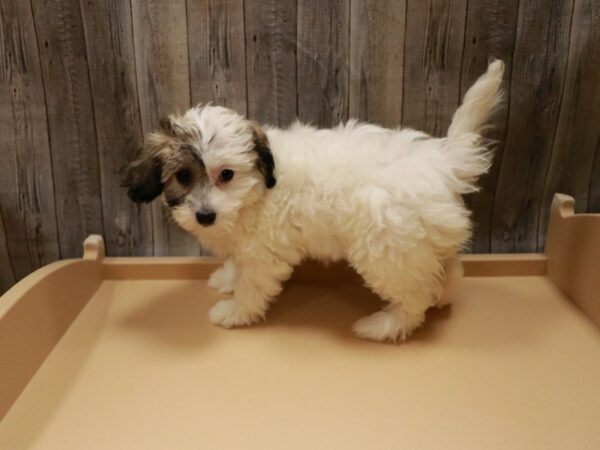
(143, 179)
(166, 126)
(264, 162)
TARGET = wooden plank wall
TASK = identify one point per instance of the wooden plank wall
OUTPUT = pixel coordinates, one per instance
(27, 192)
(81, 81)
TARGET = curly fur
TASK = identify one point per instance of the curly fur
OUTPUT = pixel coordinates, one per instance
(386, 201)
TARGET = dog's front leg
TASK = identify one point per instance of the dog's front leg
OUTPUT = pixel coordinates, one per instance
(223, 279)
(256, 284)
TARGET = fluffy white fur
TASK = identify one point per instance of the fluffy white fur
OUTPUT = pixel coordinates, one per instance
(386, 201)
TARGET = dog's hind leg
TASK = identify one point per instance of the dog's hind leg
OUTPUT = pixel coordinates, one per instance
(409, 294)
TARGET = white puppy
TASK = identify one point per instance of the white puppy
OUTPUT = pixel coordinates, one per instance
(387, 201)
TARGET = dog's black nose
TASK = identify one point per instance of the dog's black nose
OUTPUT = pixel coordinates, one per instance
(206, 218)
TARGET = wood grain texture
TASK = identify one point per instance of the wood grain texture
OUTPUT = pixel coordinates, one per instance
(432, 55)
(78, 93)
(216, 44)
(70, 122)
(323, 52)
(594, 198)
(26, 190)
(7, 275)
(161, 53)
(109, 41)
(377, 60)
(490, 33)
(536, 90)
(578, 128)
(270, 27)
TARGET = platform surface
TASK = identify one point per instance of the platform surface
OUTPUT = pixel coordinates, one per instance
(511, 365)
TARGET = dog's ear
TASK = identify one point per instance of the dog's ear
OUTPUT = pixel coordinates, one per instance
(166, 126)
(264, 161)
(143, 178)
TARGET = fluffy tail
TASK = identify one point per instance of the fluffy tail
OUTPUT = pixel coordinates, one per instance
(469, 155)
(479, 102)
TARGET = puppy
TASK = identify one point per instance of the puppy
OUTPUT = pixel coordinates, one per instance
(386, 201)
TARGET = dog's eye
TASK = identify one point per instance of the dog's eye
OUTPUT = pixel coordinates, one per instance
(184, 176)
(226, 175)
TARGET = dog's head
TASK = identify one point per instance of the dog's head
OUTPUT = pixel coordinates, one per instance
(207, 164)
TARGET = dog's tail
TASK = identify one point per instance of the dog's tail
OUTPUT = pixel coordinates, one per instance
(479, 102)
(469, 153)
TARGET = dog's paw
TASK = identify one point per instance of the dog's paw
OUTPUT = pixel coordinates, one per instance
(230, 313)
(387, 325)
(381, 326)
(222, 280)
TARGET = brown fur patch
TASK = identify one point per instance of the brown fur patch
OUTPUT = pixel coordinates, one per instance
(264, 161)
(155, 169)
(182, 160)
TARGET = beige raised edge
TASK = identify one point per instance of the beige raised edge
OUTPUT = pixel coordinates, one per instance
(182, 268)
(36, 312)
(573, 251)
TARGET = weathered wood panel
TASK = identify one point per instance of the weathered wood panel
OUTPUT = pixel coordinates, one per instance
(7, 275)
(490, 33)
(376, 60)
(110, 50)
(26, 190)
(536, 90)
(323, 52)
(594, 198)
(161, 53)
(217, 52)
(578, 128)
(70, 121)
(77, 95)
(271, 60)
(432, 63)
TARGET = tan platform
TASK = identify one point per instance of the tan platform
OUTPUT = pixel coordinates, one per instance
(117, 353)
